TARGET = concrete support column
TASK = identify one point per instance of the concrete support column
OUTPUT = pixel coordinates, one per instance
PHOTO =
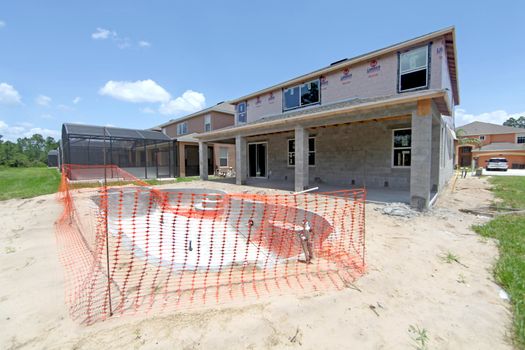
(203, 160)
(437, 154)
(182, 160)
(241, 159)
(421, 156)
(301, 158)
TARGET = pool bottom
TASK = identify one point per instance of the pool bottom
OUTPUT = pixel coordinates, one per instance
(186, 243)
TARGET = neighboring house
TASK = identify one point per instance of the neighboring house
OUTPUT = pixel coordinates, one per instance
(376, 120)
(494, 141)
(183, 130)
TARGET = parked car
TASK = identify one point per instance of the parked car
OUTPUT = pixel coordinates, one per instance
(497, 164)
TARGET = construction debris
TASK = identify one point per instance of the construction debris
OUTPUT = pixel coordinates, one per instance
(398, 209)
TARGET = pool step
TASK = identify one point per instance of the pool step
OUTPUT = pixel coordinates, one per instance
(208, 204)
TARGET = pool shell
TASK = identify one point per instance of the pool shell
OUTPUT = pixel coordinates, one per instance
(192, 229)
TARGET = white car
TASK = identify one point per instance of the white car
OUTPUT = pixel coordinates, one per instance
(497, 164)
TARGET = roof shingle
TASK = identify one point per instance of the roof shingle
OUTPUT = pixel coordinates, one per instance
(482, 128)
(501, 146)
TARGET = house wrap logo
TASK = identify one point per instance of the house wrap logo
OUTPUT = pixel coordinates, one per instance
(373, 67)
(323, 80)
(439, 51)
(346, 74)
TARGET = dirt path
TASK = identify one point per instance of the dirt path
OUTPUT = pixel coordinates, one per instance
(409, 282)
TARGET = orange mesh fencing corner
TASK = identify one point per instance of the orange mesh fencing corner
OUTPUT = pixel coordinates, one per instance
(129, 248)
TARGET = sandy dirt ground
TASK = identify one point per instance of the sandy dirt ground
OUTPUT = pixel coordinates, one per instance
(408, 283)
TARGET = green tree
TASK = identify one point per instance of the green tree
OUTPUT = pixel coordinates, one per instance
(515, 122)
(465, 140)
(27, 151)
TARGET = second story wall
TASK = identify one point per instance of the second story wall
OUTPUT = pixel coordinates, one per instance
(496, 138)
(196, 124)
(170, 130)
(510, 138)
(221, 120)
(376, 77)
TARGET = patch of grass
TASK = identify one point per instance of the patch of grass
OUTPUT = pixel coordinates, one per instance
(510, 189)
(32, 182)
(509, 230)
(27, 182)
(152, 182)
(419, 337)
(450, 257)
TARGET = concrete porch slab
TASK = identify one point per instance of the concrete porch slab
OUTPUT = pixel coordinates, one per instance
(374, 195)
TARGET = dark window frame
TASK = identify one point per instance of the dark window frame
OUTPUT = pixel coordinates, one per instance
(239, 114)
(394, 148)
(291, 154)
(428, 68)
(299, 86)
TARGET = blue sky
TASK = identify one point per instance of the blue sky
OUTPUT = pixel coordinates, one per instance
(140, 63)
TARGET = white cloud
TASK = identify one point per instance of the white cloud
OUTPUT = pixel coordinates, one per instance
(148, 110)
(2, 24)
(495, 117)
(120, 41)
(149, 91)
(9, 95)
(77, 100)
(16, 131)
(135, 91)
(103, 34)
(43, 100)
(47, 116)
(190, 101)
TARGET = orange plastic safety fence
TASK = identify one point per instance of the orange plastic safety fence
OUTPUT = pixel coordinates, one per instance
(131, 248)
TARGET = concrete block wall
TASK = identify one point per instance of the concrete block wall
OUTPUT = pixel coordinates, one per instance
(447, 170)
(436, 160)
(422, 159)
(358, 152)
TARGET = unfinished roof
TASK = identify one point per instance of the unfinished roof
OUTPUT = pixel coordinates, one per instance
(450, 47)
(95, 131)
(221, 107)
(501, 146)
(482, 128)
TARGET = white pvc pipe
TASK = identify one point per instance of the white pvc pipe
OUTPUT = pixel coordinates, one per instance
(306, 191)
